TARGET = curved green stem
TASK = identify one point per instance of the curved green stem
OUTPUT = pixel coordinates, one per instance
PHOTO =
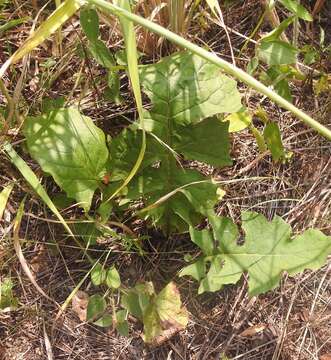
(224, 65)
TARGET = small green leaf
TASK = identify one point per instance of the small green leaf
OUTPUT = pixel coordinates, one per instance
(96, 307)
(101, 53)
(98, 275)
(121, 323)
(277, 52)
(238, 121)
(274, 142)
(106, 320)
(71, 148)
(113, 279)
(89, 21)
(197, 270)
(296, 8)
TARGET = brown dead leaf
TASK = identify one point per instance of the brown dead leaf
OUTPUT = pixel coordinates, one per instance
(325, 357)
(79, 304)
(253, 330)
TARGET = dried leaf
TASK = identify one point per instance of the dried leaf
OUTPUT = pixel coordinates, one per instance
(253, 330)
(326, 357)
(79, 304)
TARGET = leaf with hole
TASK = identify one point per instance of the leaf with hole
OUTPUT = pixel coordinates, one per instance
(267, 252)
(71, 148)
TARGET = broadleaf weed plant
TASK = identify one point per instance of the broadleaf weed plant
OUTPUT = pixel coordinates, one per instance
(195, 103)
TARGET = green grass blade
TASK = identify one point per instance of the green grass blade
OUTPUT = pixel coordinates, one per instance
(34, 182)
(47, 28)
(32, 179)
(4, 196)
(223, 64)
(132, 61)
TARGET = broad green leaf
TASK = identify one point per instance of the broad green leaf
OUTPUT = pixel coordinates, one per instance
(238, 121)
(96, 307)
(101, 53)
(185, 89)
(296, 8)
(98, 275)
(89, 21)
(61, 201)
(197, 270)
(113, 278)
(277, 52)
(165, 315)
(71, 148)
(4, 196)
(106, 320)
(278, 76)
(267, 252)
(274, 142)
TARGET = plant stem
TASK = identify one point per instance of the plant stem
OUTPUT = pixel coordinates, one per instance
(213, 58)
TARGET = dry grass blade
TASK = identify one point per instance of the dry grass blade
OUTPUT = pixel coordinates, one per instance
(19, 253)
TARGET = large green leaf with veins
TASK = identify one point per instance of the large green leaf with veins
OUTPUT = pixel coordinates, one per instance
(71, 148)
(185, 89)
(186, 93)
(267, 252)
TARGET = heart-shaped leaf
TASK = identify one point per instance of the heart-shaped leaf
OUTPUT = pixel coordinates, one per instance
(71, 148)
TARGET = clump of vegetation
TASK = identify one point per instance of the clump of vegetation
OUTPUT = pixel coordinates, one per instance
(145, 170)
